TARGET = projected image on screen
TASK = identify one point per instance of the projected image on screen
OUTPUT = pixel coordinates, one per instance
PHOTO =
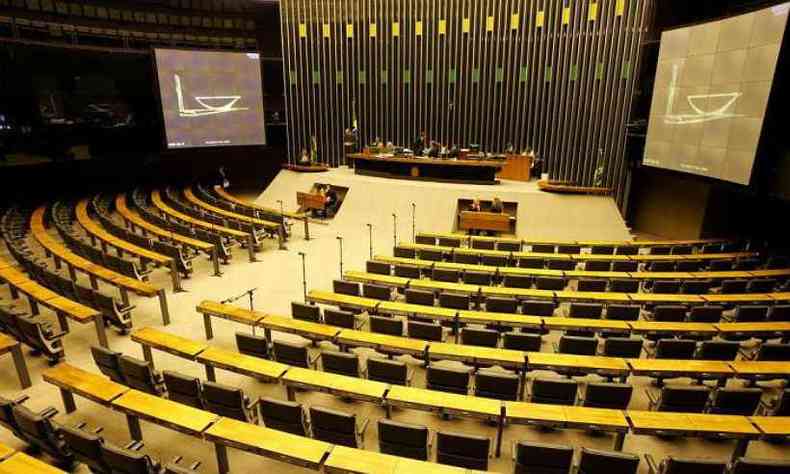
(210, 98)
(711, 92)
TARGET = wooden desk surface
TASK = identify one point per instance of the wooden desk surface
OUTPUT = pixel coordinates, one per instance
(602, 275)
(584, 417)
(372, 339)
(90, 385)
(593, 296)
(251, 205)
(641, 366)
(739, 426)
(297, 326)
(190, 196)
(772, 425)
(527, 413)
(483, 354)
(336, 384)
(581, 323)
(72, 309)
(397, 307)
(498, 222)
(129, 215)
(156, 199)
(411, 159)
(691, 423)
(358, 461)
(328, 297)
(164, 412)
(7, 343)
(233, 313)
(738, 298)
(6, 451)
(548, 360)
(515, 292)
(758, 367)
(444, 286)
(642, 326)
(761, 327)
(364, 277)
(241, 363)
(12, 275)
(665, 298)
(781, 296)
(167, 342)
(458, 266)
(433, 400)
(504, 319)
(21, 463)
(268, 442)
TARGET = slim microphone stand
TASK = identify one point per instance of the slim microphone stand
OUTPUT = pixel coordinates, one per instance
(304, 276)
(413, 223)
(340, 241)
(394, 229)
(370, 239)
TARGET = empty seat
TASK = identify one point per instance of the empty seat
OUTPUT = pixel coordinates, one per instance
(496, 384)
(462, 450)
(766, 285)
(773, 351)
(343, 363)
(574, 249)
(675, 465)
(129, 461)
(675, 349)
(517, 281)
(602, 249)
(593, 461)
(553, 391)
(538, 307)
(623, 312)
(495, 260)
(230, 402)
(661, 266)
(543, 458)
(625, 347)
(407, 271)
(502, 305)
(578, 345)
(627, 250)
(680, 399)
(659, 250)
(718, 350)
(669, 313)
(682, 250)
(388, 371)
(140, 375)
(735, 401)
(343, 319)
(379, 268)
(483, 244)
(747, 264)
(720, 265)
(422, 297)
(780, 312)
(404, 439)
(383, 325)
(522, 342)
(625, 266)
(283, 416)
(688, 266)
(292, 354)
(550, 283)
(509, 246)
(39, 431)
(779, 406)
(751, 313)
(85, 446)
(585, 310)
(477, 278)
(306, 312)
(479, 337)
(378, 292)
(696, 287)
(466, 258)
(345, 287)
(621, 285)
(108, 363)
(431, 255)
(542, 248)
(440, 274)
(531, 262)
(759, 466)
(669, 287)
(586, 284)
(337, 427)
(454, 301)
(425, 331)
(184, 389)
(733, 286)
(425, 239)
(449, 242)
(711, 248)
(565, 265)
(256, 346)
(608, 395)
(447, 379)
(705, 314)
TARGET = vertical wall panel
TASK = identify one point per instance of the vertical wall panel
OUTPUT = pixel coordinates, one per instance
(491, 72)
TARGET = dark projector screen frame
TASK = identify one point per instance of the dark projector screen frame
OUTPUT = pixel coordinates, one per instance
(210, 98)
(711, 93)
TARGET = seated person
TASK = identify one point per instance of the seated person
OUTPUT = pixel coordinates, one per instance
(475, 206)
(497, 206)
(332, 203)
(304, 158)
(321, 191)
(433, 151)
(420, 143)
(454, 151)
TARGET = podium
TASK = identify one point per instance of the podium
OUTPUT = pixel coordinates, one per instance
(517, 168)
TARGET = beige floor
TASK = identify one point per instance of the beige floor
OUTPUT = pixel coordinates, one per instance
(278, 280)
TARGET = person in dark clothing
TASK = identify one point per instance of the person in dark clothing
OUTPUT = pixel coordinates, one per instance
(332, 202)
(420, 143)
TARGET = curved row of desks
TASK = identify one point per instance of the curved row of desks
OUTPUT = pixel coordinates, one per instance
(577, 274)
(229, 198)
(97, 232)
(479, 291)
(578, 257)
(63, 307)
(388, 396)
(553, 323)
(227, 433)
(582, 243)
(62, 254)
(16, 462)
(169, 212)
(134, 221)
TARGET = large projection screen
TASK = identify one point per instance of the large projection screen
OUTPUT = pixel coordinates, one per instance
(210, 98)
(711, 92)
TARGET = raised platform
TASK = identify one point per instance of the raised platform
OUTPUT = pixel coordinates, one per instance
(373, 200)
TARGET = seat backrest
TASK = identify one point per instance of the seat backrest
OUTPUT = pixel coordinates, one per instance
(449, 242)
(608, 395)
(379, 292)
(422, 297)
(256, 346)
(226, 401)
(760, 466)
(762, 285)
(441, 274)
(387, 371)
(682, 250)
(447, 379)
(498, 385)
(723, 265)
(183, 389)
(625, 265)
(39, 431)
(623, 312)
(695, 287)
(479, 337)
(384, 325)
(483, 244)
(139, 374)
(305, 312)
(623, 347)
(340, 318)
(627, 250)
(550, 283)
(124, 461)
(733, 286)
(345, 287)
(538, 307)
(780, 312)
(407, 271)
(425, 331)
(496, 260)
(561, 265)
(108, 363)
(379, 268)
(660, 250)
(684, 399)
(333, 426)
(578, 345)
(675, 349)
(477, 278)
(602, 249)
(542, 248)
(673, 465)
(543, 458)
(343, 363)
(669, 313)
(586, 284)
(521, 341)
(403, 439)
(718, 350)
(432, 255)
(468, 258)
(454, 301)
(623, 285)
(598, 265)
(706, 314)
(688, 266)
(586, 310)
(666, 286)
(85, 446)
(291, 353)
(751, 313)
(661, 266)
(283, 415)
(509, 246)
(462, 450)
(593, 461)
(517, 281)
(404, 252)
(736, 401)
(531, 262)
(501, 305)
(774, 351)
(425, 239)
(555, 392)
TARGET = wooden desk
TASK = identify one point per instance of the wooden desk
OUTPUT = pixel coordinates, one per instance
(423, 168)
(477, 354)
(317, 331)
(21, 463)
(490, 221)
(343, 460)
(756, 368)
(261, 369)
(434, 401)
(309, 201)
(526, 413)
(337, 299)
(772, 425)
(501, 319)
(266, 442)
(9, 344)
(338, 385)
(407, 309)
(690, 424)
(5, 451)
(560, 323)
(671, 328)
(176, 416)
(255, 207)
(755, 329)
(72, 380)
(364, 277)
(379, 342)
(571, 363)
(679, 368)
(178, 346)
(231, 313)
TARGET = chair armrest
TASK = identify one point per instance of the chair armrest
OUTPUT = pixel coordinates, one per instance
(134, 445)
(312, 360)
(48, 412)
(652, 401)
(253, 403)
(409, 376)
(649, 352)
(363, 372)
(56, 335)
(747, 355)
(362, 427)
(652, 467)
(21, 399)
(555, 347)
